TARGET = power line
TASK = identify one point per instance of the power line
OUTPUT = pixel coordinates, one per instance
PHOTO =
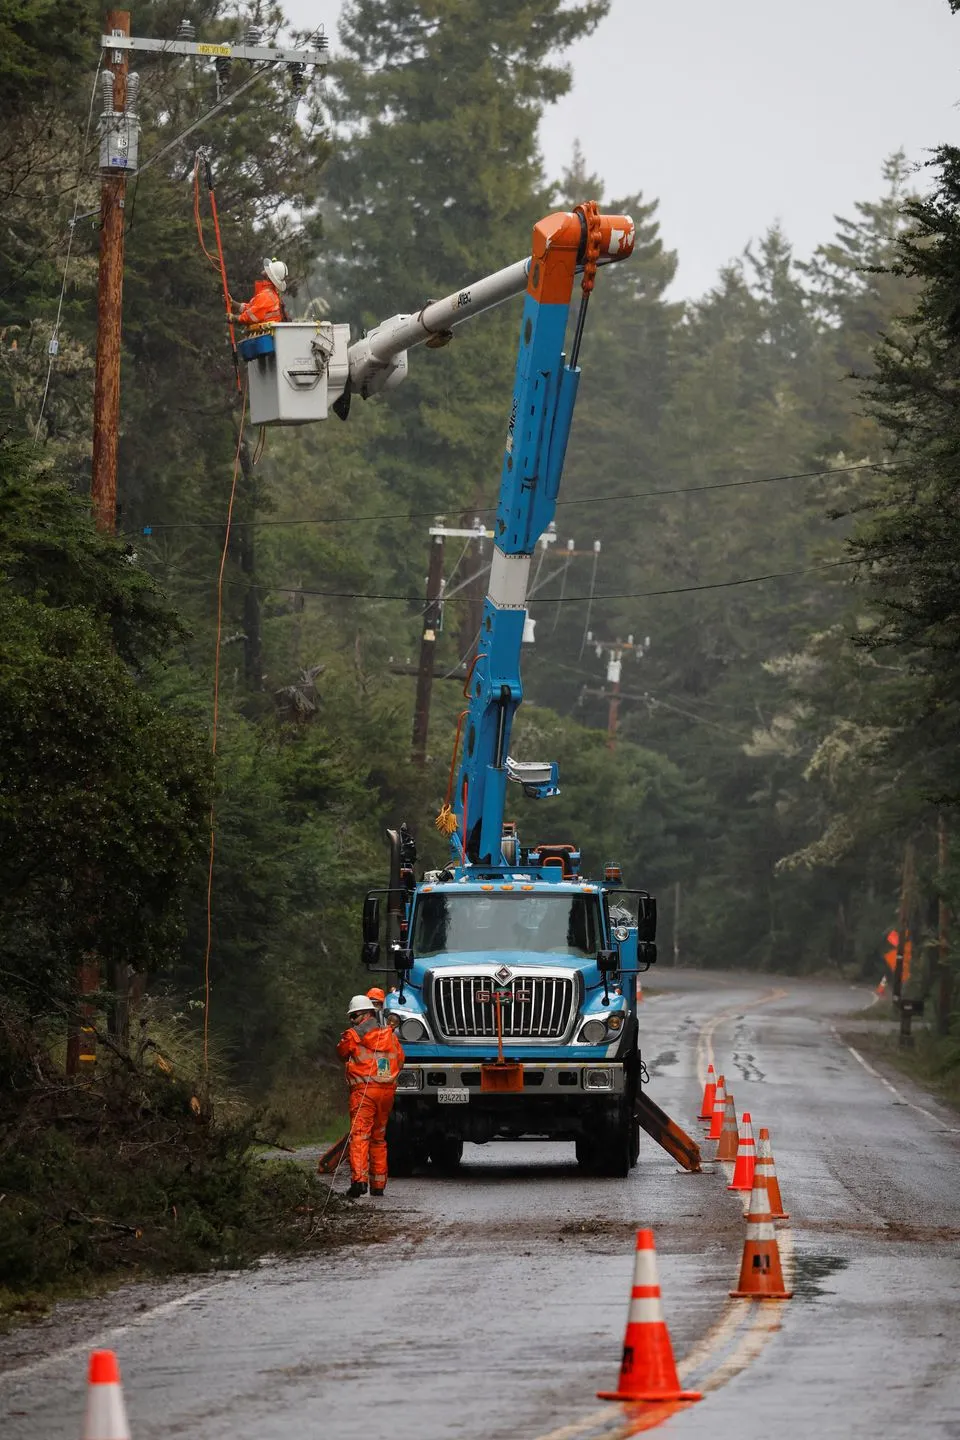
(419, 600)
(491, 509)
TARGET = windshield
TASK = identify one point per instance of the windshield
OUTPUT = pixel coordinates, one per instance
(551, 924)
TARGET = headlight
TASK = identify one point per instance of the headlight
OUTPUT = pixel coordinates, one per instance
(408, 1080)
(412, 1030)
(593, 1032)
(598, 1080)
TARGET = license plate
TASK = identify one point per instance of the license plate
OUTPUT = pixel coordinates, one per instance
(449, 1096)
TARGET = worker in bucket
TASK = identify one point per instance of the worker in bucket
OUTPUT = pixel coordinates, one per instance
(373, 1058)
(266, 307)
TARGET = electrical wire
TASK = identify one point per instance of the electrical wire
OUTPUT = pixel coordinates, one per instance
(490, 509)
(213, 751)
(421, 602)
(53, 345)
(593, 586)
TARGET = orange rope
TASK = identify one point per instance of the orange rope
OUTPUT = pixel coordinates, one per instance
(213, 752)
(218, 262)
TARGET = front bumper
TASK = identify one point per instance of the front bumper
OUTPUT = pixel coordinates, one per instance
(556, 1079)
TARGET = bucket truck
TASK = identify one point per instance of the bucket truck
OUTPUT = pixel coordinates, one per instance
(515, 976)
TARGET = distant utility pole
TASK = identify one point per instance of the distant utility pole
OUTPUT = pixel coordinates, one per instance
(945, 987)
(119, 157)
(432, 615)
(432, 618)
(615, 655)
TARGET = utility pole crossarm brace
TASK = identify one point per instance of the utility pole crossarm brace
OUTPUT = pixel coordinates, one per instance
(320, 56)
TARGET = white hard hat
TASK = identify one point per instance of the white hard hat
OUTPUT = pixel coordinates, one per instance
(360, 1002)
(277, 272)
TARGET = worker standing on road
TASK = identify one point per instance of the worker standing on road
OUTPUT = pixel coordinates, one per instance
(266, 307)
(373, 1058)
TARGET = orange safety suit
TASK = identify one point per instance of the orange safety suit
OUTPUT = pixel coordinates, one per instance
(374, 1058)
(266, 307)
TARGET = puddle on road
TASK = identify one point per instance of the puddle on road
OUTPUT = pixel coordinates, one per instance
(810, 1270)
(662, 1062)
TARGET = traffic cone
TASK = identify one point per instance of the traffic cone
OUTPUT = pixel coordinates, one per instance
(746, 1156)
(766, 1171)
(881, 988)
(106, 1415)
(761, 1277)
(648, 1370)
(729, 1137)
(719, 1107)
(709, 1094)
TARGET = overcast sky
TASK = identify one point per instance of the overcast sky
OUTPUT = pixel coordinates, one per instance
(736, 113)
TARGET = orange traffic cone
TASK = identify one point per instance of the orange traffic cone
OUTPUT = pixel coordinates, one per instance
(881, 987)
(761, 1277)
(746, 1156)
(106, 1415)
(766, 1171)
(709, 1095)
(719, 1107)
(647, 1371)
(729, 1139)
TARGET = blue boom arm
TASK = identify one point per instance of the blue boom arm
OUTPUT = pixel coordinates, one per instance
(544, 395)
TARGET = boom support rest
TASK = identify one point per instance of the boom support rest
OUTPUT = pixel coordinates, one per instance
(668, 1134)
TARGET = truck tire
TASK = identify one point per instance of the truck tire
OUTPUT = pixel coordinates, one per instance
(406, 1150)
(446, 1154)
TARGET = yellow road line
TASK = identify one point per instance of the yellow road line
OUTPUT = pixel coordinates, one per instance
(745, 1326)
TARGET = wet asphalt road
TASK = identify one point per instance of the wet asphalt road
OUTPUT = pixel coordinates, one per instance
(493, 1305)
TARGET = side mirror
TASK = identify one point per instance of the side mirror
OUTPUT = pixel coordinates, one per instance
(608, 961)
(647, 919)
(371, 931)
(402, 959)
(646, 954)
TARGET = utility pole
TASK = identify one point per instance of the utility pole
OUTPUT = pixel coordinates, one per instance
(676, 922)
(901, 970)
(432, 617)
(615, 654)
(614, 666)
(432, 614)
(119, 134)
(119, 156)
(945, 988)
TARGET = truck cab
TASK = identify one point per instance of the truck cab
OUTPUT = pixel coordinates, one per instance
(516, 1005)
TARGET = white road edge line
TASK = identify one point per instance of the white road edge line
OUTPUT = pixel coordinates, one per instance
(937, 1119)
(99, 1342)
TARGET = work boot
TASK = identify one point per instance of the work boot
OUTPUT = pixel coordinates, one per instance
(376, 1189)
(357, 1188)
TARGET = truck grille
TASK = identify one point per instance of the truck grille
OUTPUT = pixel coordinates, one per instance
(540, 1006)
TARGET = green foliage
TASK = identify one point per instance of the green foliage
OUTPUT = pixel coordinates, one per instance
(102, 794)
(123, 1175)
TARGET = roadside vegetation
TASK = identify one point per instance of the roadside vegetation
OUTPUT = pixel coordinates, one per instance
(784, 774)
